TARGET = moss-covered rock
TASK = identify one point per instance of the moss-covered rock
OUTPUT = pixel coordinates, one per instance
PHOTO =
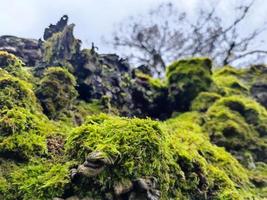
(204, 100)
(60, 45)
(56, 91)
(16, 92)
(230, 81)
(114, 151)
(13, 65)
(213, 149)
(239, 124)
(186, 79)
(22, 134)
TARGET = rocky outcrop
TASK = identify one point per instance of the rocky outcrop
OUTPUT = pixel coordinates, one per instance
(60, 46)
(106, 77)
(59, 27)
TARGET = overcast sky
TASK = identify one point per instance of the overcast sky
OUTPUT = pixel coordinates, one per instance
(95, 18)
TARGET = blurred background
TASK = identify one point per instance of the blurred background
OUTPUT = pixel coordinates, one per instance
(152, 32)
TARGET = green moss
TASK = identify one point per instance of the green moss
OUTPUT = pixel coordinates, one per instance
(224, 175)
(154, 82)
(230, 81)
(229, 71)
(56, 91)
(186, 79)
(204, 100)
(22, 134)
(238, 123)
(258, 176)
(13, 65)
(121, 138)
(16, 92)
(6, 167)
(177, 153)
(41, 180)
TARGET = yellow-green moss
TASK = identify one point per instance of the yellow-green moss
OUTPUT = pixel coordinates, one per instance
(204, 100)
(238, 123)
(135, 143)
(56, 91)
(186, 79)
(13, 65)
(16, 92)
(177, 153)
(22, 134)
(154, 82)
(40, 180)
(225, 176)
(229, 81)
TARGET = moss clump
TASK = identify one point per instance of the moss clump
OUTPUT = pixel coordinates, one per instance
(16, 92)
(258, 177)
(22, 134)
(204, 100)
(176, 153)
(239, 124)
(40, 180)
(121, 139)
(219, 175)
(13, 65)
(229, 81)
(186, 79)
(56, 91)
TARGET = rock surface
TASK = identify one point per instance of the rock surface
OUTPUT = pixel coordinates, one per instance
(29, 50)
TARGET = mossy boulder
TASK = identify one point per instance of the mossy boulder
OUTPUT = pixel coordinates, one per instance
(230, 81)
(186, 79)
(56, 91)
(114, 154)
(22, 134)
(239, 124)
(60, 46)
(13, 65)
(16, 92)
(203, 101)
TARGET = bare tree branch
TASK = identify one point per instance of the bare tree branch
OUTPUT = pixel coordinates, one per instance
(165, 34)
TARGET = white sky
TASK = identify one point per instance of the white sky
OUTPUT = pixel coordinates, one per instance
(96, 18)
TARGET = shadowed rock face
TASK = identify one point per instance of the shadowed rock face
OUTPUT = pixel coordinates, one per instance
(259, 92)
(29, 50)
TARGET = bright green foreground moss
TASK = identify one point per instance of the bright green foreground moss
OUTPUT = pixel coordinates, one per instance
(40, 180)
(22, 134)
(176, 153)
